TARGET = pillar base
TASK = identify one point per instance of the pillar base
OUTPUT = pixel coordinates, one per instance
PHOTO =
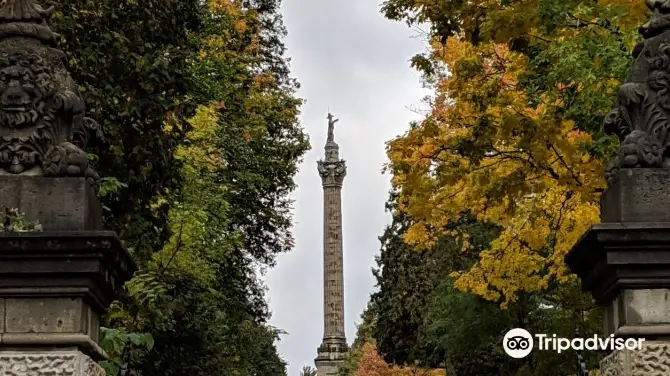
(332, 353)
(53, 363)
(54, 289)
(614, 257)
(641, 313)
(652, 360)
(624, 262)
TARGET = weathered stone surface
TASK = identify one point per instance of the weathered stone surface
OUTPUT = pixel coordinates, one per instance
(43, 127)
(625, 261)
(637, 196)
(642, 118)
(613, 364)
(50, 315)
(51, 363)
(328, 368)
(652, 360)
(30, 315)
(332, 170)
(88, 264)
(612, 257)
(56, 285)
(638, 313)
(2, 315)
(58, 204)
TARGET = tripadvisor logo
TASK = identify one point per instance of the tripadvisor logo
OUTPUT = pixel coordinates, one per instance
(518, 343)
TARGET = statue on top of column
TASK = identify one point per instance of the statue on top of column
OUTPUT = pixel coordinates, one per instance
(331, 128)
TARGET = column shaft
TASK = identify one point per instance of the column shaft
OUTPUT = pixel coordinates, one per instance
(333, 274)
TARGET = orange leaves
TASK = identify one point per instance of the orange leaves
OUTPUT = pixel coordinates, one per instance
(372, 364)
(243, 25)
(240, 26)
(231, 7)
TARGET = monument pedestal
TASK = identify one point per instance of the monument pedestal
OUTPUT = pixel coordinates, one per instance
(55, 285)
(331, 354)
(52, 363)
(624, 263)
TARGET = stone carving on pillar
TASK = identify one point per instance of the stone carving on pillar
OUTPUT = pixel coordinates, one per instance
(55, 284)
(66, 363)
(624, 261)
(653, 361)
(332, 172)
(331, 352)
(642, 118)
(42, 124)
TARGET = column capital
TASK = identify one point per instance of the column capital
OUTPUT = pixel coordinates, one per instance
(332, 173)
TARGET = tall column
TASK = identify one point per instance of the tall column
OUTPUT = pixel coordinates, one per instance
(334, 346)
(624, 262)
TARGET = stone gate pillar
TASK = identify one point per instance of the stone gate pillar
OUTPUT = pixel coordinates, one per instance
(625, 260)
(55, 284)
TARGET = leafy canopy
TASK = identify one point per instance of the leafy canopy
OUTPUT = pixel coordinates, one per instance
(201, 144)
(513, 132)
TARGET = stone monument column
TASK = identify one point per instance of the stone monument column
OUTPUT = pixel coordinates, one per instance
(334, 346)
(625, 260)
(57, 283)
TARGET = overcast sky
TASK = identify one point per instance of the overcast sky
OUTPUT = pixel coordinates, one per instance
(348, 58)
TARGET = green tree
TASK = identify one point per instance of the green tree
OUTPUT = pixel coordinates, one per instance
(200, 124)
(132, 62)
(514, 134)
(307, 371)
(364, 335)
(513, 138)
(421, 319)
(406, 280)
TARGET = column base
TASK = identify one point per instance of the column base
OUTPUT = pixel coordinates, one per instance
(53, 363)
(652, 360)
(332, 353)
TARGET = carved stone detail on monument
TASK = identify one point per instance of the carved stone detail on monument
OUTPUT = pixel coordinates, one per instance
(613, 364)
(332, 173)
(642, 118)
(70, 363)
(332, 170)
(42, 124)
(652, 360)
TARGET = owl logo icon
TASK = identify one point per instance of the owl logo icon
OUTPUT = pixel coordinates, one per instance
(518, 343)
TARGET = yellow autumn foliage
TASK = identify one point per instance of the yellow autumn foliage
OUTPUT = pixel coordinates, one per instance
(200, 158)
(484, 150)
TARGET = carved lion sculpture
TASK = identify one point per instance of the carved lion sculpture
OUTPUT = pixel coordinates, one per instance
(42, 124)
(642, 118)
